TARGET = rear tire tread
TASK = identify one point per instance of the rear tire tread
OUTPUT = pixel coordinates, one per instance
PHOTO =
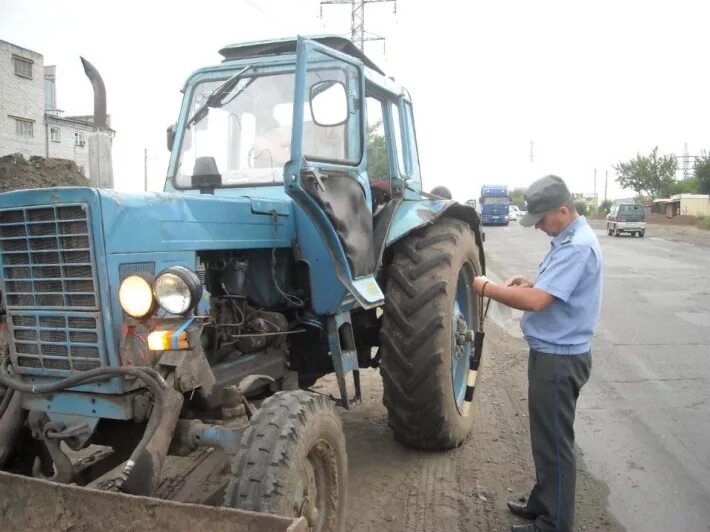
(414, 329)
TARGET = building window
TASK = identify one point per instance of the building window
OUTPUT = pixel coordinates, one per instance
(79, 139)
(24, 128)
(55, 134)
(23, 67)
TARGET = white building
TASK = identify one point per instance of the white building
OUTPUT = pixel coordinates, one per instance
(30, 122)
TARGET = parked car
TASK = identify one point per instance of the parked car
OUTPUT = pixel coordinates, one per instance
(626, 218)
(514, 213)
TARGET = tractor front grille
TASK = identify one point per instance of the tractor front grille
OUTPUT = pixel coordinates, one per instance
(50, 289)
(56, 342)
(47, 258)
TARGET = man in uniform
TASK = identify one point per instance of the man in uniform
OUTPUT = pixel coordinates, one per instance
(561, 314)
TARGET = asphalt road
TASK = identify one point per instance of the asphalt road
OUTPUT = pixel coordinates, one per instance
(643, 419)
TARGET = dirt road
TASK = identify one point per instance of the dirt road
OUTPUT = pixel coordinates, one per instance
(394, 488)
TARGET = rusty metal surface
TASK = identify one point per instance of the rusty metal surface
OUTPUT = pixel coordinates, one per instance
(28, 504)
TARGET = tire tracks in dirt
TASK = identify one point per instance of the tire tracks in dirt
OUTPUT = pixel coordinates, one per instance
(392, 488)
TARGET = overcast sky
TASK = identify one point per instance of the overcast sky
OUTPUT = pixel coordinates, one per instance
(589, 83)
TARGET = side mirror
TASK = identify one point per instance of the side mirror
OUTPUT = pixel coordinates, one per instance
(171, 136)
(329, 103)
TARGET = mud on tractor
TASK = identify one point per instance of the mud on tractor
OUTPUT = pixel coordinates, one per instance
(150, 330)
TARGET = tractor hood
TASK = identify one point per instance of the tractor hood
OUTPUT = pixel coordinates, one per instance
(171, 222)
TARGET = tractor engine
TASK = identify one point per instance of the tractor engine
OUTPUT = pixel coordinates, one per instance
(239, 323)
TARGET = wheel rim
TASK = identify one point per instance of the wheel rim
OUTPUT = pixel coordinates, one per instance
(311, 489)
(461, 316)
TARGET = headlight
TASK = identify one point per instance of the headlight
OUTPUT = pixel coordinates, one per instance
(177, 289)
(136, 295)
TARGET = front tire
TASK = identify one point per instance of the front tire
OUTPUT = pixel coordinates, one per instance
(292, 461)
(424, 370)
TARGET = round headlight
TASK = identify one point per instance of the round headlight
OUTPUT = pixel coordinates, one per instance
(177, 289)
(136, 295)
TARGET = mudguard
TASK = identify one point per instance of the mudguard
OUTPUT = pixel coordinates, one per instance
(411, 215)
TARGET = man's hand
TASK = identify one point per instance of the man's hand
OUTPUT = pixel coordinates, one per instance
(519, 280)
(478, 283)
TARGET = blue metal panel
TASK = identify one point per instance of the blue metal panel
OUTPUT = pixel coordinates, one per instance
(327, 291)
(81, 404)
(144, 223)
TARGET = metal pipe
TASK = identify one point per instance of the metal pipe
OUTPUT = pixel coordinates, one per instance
(99, 94)
(191, 434)
(10, 424)
(141, 473)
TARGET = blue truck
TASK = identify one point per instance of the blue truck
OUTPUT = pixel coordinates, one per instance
(495, 204)
(159, 324)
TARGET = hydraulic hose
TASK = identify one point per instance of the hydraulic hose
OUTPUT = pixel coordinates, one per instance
(147, 375)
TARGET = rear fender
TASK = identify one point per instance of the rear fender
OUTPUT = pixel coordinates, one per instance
(412, 215)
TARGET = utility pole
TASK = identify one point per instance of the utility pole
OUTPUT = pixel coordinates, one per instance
(606, 182)
(595, 180)
(145, 169)
(357, 20)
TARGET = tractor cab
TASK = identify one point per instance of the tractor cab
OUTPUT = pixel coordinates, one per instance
(315, 118)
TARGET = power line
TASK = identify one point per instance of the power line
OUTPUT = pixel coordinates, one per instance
(358, 35)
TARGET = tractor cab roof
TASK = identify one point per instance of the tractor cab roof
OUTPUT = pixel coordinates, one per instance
(288, 46)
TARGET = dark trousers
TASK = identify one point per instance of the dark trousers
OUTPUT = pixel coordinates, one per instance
(554, 382)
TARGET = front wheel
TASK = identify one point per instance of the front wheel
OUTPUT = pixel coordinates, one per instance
(642, 233)
(425, 365)
(292, 461)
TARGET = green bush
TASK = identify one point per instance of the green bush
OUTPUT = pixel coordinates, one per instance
(581, 207)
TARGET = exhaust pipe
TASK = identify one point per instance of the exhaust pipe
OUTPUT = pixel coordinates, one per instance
(100, 160)
(99, 94)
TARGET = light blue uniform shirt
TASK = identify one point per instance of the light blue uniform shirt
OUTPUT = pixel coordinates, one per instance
(572, 273)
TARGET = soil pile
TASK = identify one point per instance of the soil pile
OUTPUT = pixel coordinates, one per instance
(16, 172)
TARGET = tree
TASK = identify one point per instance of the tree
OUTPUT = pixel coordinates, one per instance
(517, 198)
(605, 207)
(686, 186)
(377, 161)
(648, 175)
(702, 173)
(581, 207)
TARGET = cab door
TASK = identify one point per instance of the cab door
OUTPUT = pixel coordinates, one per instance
(326, 175)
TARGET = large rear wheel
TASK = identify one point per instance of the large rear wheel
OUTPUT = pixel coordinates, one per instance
(293, 462)
(425, 363)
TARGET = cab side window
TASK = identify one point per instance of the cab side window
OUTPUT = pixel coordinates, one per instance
(378, 163)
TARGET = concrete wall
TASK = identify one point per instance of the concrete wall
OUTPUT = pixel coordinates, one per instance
(68, 145)
(695, 206)
(21, 97)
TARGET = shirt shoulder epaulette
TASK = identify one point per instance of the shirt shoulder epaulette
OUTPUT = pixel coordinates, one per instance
(568, 238)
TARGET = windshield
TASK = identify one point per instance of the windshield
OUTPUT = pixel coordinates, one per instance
(495, 201)
(247, 132)
(632, 213)
(242, 126)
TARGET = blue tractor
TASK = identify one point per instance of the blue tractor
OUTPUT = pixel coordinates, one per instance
(293, 239)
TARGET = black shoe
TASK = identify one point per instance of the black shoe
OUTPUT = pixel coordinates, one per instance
(525, 528)
(521, 510)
